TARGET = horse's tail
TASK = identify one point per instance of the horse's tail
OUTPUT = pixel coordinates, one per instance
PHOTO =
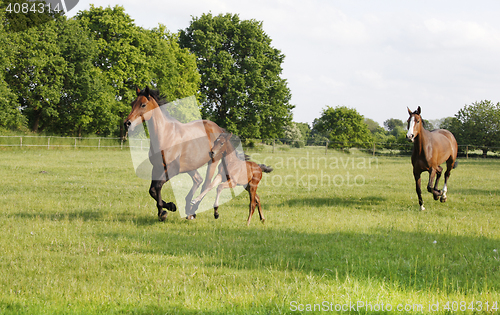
(266, 169)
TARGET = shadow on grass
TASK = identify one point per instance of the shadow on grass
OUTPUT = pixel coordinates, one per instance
(432, 262)
(476, 191)
(86, 215)
(334, 201)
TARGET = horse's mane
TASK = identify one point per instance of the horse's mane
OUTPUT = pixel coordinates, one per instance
(156, 95)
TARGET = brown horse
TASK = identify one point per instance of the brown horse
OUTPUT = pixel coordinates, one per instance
(235, 170)
(175, 147)
(430, 150)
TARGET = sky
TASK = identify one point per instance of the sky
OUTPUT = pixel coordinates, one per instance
(377, 57)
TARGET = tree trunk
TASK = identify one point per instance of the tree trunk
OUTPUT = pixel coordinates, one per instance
(485, 152)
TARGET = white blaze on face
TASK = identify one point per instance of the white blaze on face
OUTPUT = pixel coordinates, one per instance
(410, 128)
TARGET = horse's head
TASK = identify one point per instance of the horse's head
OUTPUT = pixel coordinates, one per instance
(414, 124)
(220, 145)
(142, 107)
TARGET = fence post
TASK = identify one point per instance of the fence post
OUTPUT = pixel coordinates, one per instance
(467, 151)
(373, 148)
(326, 147)
(99, 144)
(274, 143)
(48, 143)
(75, 142)
(21, 139)
(121, 145)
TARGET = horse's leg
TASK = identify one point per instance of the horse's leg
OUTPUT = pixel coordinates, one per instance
(216, 182)
(449, 167)
(435, 193)
(438, 176)
(210, 174)
(155, 192)
(191, 209)
(418, 180)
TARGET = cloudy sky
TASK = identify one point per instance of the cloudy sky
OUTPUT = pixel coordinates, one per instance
(375, 56)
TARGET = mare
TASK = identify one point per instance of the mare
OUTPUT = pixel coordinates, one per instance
(175, 147)
(234, 170)
(430, 150)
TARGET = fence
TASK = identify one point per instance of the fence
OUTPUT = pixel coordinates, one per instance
(257, 145)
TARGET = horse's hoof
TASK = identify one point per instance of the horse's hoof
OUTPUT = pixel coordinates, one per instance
(443, 199)
(163, 216)
(422, 208)
(170, 206)
(436, 197)
(216, 216)
(191, 217)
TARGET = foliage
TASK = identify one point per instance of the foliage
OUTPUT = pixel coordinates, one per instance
(77, 76)
(344, 127)
(10, 114)
(293, 135)
(478, 124)
(241, 87)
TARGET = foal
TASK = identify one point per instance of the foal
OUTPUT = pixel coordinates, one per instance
(234, 171)
(430, 150)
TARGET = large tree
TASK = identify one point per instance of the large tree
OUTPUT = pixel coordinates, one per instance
(240, 72)
(343, 126)
(10, 114)
(36, 73)
(130, 55)
(479, 125)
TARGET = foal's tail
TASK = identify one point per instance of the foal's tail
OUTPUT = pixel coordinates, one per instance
(266, 169)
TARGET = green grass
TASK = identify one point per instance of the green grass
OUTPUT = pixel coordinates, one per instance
(79, 235)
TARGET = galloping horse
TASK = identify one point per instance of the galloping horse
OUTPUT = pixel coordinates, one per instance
(430, 150)
(234, 170)
(175, 147)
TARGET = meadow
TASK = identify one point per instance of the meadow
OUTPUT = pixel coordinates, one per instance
(343, 235)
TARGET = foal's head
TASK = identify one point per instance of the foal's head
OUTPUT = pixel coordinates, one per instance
(414, 124)
(220, 145)
(142, 107)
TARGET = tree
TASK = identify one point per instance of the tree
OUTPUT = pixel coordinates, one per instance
(10, 114)
(241, 88)
(293, 135)
(479, 124)
(86, 105)
(343, 126)
(36, 72)
(130, 55)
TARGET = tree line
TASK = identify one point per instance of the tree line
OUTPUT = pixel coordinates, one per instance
(476, 124)
(78, 76)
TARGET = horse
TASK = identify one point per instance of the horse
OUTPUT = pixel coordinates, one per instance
(175, 147)
(430, 150)
(234, 170)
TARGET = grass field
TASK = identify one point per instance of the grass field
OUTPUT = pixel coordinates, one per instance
(79, 235)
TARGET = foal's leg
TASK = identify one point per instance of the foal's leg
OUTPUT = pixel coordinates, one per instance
(438, 175)
(251, 191)
(418, 180)
(205, 191)
(261, 214)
